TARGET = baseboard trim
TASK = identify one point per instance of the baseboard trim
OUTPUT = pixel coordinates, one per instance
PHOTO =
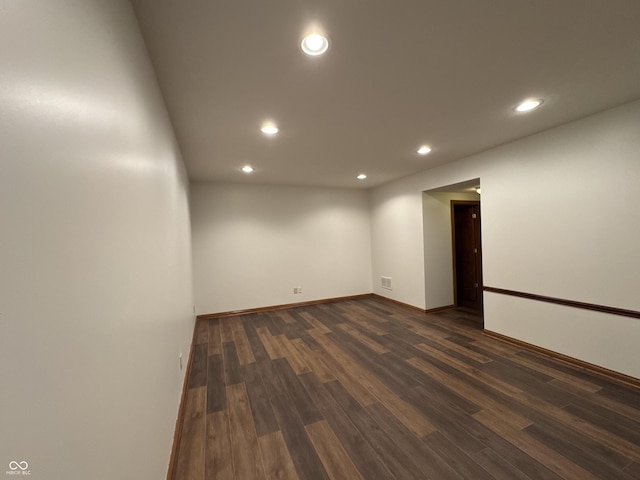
(568, 303)
(396, 302)
(574, 362)
(271, 308)
(177, 434)
(439, 309)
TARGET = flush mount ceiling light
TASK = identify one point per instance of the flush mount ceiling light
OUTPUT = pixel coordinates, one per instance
(269, 128)
(314, 44)
(424, 149)
(362, 176)
(529, 104)
(247, 169)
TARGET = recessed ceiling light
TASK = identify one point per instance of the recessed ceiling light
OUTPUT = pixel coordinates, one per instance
(247, 169)
(269, 128)
(362, 176)
(529, 104)
(314, 44)
(424, 149)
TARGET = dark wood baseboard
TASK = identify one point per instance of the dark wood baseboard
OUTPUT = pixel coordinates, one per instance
(396, 302)
(568, 303)
(413, 307)
(177, 435)
(574, 362)
(271, 308)
(439, 309)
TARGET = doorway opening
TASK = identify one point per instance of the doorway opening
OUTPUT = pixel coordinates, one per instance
(448, 283)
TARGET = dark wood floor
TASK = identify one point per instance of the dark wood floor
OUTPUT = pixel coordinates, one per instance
(365, 389)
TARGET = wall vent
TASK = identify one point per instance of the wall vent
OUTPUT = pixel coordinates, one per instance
(385, 282)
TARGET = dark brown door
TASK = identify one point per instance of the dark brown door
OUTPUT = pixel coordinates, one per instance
(467, 261)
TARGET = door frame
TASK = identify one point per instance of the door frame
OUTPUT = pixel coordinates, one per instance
(453, 203)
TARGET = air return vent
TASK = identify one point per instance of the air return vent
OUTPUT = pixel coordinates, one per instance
(385, 282)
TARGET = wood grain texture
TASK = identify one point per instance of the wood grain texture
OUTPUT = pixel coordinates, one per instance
(198, 373)
(215, 345)
(275, 458)
(365, 389)
(534, 448)
(191, 455)
(334, 458)
(219, 457)
(243, 347)
(201, 332)
(247, 462)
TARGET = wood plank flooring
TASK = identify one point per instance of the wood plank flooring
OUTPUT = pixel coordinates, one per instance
(369, 390)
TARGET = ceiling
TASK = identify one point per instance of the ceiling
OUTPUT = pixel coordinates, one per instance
(398, 74)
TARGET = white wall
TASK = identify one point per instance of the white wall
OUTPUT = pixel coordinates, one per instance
(396, 242)
(558, 219)
(253, 244)
(95, 267)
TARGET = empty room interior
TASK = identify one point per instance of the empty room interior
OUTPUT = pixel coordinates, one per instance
(307, 239)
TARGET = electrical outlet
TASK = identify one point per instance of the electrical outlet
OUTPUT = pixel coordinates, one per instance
(297, 290)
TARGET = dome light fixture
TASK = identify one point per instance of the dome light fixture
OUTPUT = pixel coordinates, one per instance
(424, 149)
(314, 44)
(529, 104)
(362, 176)
(247, 169)
(269, 128)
